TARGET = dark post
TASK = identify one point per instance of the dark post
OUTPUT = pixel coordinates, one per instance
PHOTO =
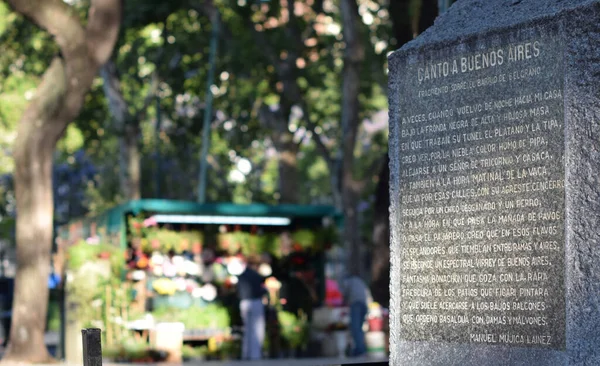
(214, 41)
(157, 156)
(92, 347)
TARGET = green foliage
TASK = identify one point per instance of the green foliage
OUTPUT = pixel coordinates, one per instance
(82, 253)
(131, 350)
(95, 270)
(7, 228)
(294, 328)
(72, 141)
(172, 41)
(104, 195)
(25, 53)
(253, 244)
(314, 240)
(53, 318)
(211, 316)
(154, 238)
(305, 238)
(229, 349)
(164, 240)
(188, 352)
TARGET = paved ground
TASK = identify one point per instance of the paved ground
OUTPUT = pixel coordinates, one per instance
(53, 339)
(297, 362)
(287, 362)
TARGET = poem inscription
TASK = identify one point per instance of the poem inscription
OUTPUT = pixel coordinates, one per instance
(481, 130)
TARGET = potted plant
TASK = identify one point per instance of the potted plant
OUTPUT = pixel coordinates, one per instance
(303, 240)
(294, 329)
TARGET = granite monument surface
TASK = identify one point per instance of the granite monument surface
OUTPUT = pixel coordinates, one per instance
(495, 187)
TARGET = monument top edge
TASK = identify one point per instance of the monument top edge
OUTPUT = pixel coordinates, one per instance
(468, 18)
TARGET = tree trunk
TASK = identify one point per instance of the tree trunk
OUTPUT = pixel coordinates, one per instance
(37, 133)
(57, 102)
(400, 16)
(287, 151)
(128, 127)
(429, 12)
(380, 263)
(352, 239)
(131, 138)
(353, 58)
(33, 178)
(33, 186)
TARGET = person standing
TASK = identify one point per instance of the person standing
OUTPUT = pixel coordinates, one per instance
(357, 296)
(251, 291)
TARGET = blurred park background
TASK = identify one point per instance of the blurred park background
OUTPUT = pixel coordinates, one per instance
(154, 107)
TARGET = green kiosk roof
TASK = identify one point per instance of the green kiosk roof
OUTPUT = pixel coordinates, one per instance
(224, 209)
(114, 219)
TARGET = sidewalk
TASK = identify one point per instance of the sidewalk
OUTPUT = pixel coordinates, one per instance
(296, 362)
(51, 339)
(274, 362)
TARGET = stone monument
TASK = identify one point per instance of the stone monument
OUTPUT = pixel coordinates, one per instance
(495, 186)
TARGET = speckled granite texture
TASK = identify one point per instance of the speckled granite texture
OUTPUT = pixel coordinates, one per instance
(472, 26)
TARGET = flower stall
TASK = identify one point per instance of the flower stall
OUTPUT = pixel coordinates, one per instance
(151, 270)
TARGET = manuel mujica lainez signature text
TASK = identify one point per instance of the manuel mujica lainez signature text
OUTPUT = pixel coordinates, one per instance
(509, 338)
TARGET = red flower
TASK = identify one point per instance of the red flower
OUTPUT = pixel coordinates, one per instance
(298, 260)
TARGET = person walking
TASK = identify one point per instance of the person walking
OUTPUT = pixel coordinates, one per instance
(251, 291)
(357, 296)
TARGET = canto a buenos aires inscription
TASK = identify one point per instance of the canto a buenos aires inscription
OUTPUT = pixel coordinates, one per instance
(482, 192)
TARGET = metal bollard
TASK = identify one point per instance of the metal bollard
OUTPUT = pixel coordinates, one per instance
(92, 347)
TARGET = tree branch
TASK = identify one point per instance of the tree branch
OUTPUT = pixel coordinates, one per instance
(115, 95)
(354, 55)
(104, 20)
(81, 57)
(355, 52)
(57, 18)
(264, 45)
(112, 91)
(373, 169)
(143, 111)
(312, 127)
(46, 106)
(268, 117)
(293, 32)
(209, 9)
(220, 172)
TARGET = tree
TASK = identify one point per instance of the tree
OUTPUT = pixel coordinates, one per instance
(408, 19)
(301, 44)
(127, 117)
(129, 129)
(57, 102)
(280, 41)
(282, 45)
(354, 57)
(380, 263)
